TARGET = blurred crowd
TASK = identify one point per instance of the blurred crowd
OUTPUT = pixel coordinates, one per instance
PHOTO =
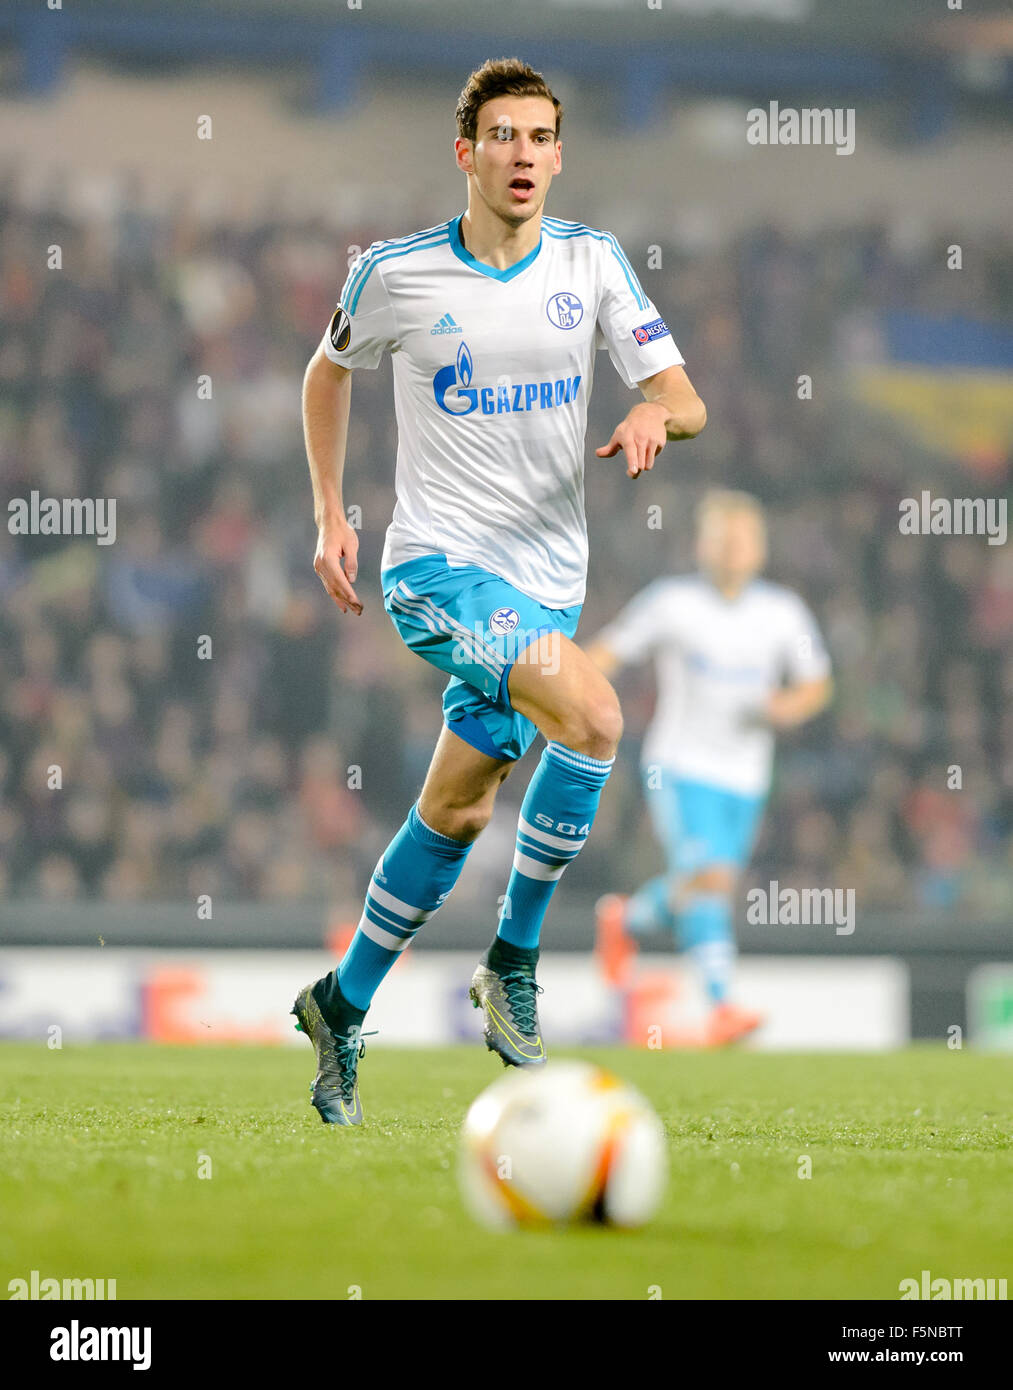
(186, 712)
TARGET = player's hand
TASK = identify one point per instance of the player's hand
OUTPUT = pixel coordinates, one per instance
(337, 541)
(641, 436)
(779, 712)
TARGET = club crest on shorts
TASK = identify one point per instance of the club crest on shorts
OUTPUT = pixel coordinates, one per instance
(504, 620)
(340, 330)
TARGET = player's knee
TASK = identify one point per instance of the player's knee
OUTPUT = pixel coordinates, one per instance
(460, 822)
(610, 722)
(716, 881)
(597, 726)
(468, 821)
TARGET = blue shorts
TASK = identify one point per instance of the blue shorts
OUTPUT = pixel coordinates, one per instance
(474, 626)
(701, 825)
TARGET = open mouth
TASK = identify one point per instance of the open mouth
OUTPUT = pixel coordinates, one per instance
(522, 188)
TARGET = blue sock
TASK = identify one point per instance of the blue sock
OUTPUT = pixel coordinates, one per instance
(564, 792)
(415, 874)
(648, 909)
(705, 930)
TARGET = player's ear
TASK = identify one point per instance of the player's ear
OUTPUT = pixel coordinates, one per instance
(464, 155)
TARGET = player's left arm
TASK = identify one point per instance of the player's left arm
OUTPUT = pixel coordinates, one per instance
(671, 409)
(808, 675)
(794, 704)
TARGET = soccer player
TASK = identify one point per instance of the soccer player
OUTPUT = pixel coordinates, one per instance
(724, 642)
(492, 320)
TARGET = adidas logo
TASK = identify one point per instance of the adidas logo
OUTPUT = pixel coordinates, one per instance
(445, 325)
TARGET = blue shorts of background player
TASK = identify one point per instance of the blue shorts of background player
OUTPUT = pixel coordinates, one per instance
(473, 625)
(701, 828)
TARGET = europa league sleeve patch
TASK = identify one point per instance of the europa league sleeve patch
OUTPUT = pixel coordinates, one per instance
(647, 332)
(340, 330)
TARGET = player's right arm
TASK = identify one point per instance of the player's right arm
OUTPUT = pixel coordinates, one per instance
(326, 405)
(362, 329)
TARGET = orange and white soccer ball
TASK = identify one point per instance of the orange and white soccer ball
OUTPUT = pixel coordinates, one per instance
(565, 1142)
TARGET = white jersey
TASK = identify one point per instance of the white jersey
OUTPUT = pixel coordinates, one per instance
(492, 373)
(717, 661)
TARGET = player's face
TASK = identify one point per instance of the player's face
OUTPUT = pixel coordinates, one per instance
(514, 157)
(731, 547)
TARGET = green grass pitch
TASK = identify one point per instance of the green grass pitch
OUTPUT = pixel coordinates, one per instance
(100, 1149)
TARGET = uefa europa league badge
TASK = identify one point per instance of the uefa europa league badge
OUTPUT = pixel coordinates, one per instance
(340, 330)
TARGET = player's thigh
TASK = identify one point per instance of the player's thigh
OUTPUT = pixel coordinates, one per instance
(553, 681)
(460, 779)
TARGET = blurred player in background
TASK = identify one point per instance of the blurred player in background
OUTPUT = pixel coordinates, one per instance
(724, 644)
(492, 320)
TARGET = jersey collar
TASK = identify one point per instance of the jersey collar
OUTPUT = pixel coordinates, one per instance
(747, 589)
(463, 254)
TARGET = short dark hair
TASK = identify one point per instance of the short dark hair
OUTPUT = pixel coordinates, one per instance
(500, 77)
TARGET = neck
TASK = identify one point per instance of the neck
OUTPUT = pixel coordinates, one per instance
(727, 586)
(492, 240)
